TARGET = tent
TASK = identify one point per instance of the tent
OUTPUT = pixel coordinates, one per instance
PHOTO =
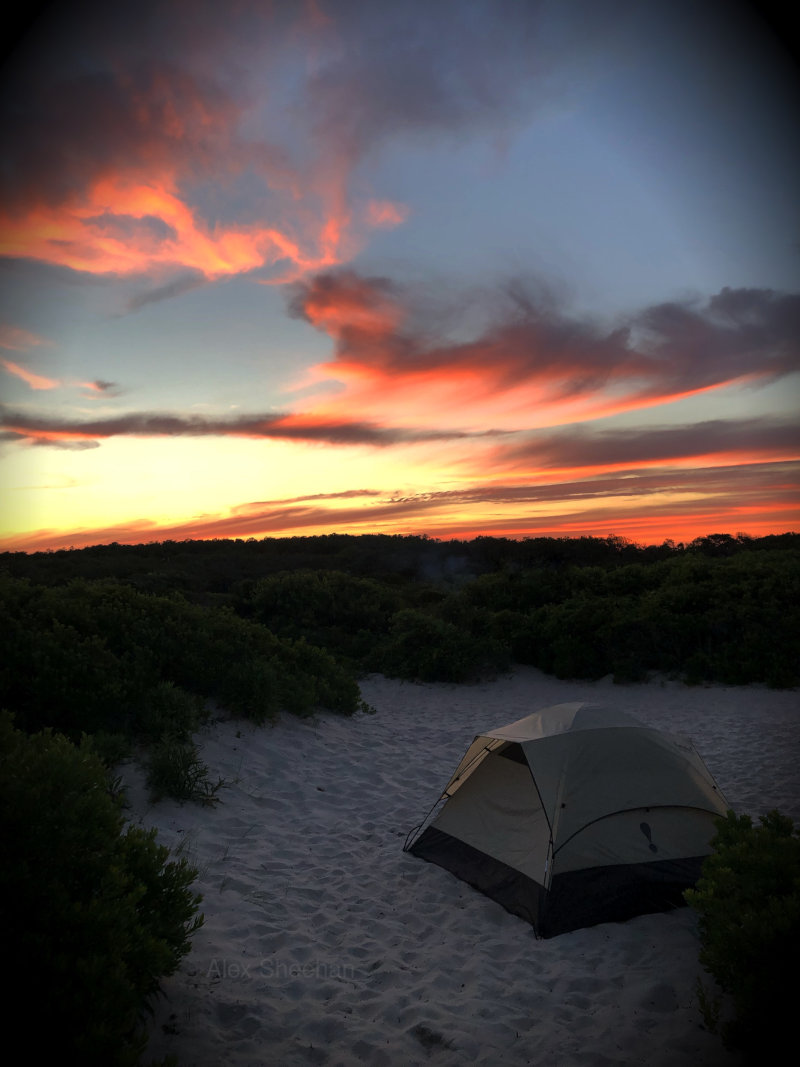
(573, 816)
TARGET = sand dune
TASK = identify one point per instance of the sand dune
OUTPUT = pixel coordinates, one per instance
(324, 943)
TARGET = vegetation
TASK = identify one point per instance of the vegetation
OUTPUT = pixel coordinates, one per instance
(340, 612)
(175, 770)
(93, 656)
(748, 901)
(95, 914)
(133, 644)
(118, 648)
(89, 639)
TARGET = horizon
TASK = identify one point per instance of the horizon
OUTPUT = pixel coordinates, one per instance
(504, 269)
(621, 542)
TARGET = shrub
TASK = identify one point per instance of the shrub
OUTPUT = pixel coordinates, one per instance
(99, 656)
(111, 749)
(94, 914)
(574, 633)
(168, 711)
(316, 679)
(748, 901)
(341, 613)
(428, 649)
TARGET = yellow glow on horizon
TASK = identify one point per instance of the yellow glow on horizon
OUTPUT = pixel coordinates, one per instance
(155, 490)
(135, 489)
(171, 480)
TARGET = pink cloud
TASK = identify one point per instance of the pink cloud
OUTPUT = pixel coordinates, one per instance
(35, 381)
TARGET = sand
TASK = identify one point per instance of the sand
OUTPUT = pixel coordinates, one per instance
(325, 943)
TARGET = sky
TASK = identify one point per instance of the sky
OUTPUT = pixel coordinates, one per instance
(456, 268)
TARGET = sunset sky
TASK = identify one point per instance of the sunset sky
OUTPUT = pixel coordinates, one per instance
(451, 267)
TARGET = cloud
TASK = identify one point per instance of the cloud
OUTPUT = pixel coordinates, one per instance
(259, 505)
(363, 315)
(696, 501)
(100, 388)
(124, 163)
(57, 430)
(449, 69)
(183, 284)
(383, 214)
(18, 339)
(533, 364)
(736, 334)
(762, 486)
(66, 444)
(35, 381)
(745, 440)
(160, 137)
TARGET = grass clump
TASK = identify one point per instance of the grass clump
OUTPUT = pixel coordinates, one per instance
(748, 902)
(174, 769)
(95, 914)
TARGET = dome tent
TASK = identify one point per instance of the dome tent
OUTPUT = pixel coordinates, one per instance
(575, 815)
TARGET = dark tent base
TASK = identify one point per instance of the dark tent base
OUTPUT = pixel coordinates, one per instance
(575, 899)
(518, 893)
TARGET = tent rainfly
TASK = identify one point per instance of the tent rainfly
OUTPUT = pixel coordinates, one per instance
(573, 816)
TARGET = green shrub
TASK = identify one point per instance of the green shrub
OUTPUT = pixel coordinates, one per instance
(101, 657)
(341, 613)
(94, 915)
(168, 711)
(748, 901)
(573, 632)
(111, 749)
(424, 648)
(317, 680)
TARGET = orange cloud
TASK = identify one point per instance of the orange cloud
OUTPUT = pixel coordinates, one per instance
(97, 386)
(17, 339)
(35, 381)
(356, 312)
(533, 366)
(383, 214)
(123, 226)
(139, 166)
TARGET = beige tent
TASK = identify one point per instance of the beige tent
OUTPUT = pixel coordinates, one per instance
(575, 815)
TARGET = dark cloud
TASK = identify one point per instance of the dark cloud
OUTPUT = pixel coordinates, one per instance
(55, 430)
(178, 92)
(454, 66)
(61, 136)
(374, 322)
(183, 284)
(66, 444)
(666, 349)
(776, 482)
(739, 333)
(580, 447)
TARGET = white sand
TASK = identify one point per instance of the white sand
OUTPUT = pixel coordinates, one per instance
(325, 943)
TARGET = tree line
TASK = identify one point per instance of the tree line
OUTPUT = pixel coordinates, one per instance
(91, 637)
